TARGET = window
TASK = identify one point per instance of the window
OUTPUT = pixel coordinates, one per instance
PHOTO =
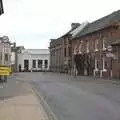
(65, 52)
(6, 57)
(104, 44)
(40, 62)
(80, 48)
(34, 63)
(75, 50)
(46, 63)
(87, 46)
(96, 44)
(96, 64)
(104, 64)
(6, 50)
(69, 51)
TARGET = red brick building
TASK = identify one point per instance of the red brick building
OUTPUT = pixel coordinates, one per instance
(96, 49)
(61, 49)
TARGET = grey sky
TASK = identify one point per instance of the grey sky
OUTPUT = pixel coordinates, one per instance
(33, 22)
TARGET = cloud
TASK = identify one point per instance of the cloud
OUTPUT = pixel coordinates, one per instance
(37, 21)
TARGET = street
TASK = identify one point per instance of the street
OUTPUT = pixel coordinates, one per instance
(81, 98)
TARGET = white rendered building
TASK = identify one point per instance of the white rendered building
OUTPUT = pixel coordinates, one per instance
(33, 60)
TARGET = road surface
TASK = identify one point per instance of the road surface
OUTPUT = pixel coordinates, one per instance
(81, 98)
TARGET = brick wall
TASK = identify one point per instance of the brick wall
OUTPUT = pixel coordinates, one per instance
(109, 34)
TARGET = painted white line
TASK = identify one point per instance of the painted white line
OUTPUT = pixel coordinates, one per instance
(42, 99)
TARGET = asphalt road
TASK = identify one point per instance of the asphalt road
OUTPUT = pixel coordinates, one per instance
(77, 99)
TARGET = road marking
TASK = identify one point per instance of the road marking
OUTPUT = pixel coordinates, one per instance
(44, 102)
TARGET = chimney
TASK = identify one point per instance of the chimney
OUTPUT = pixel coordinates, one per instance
(75, 25)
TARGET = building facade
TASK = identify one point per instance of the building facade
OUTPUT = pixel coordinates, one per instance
(33, 60)
(14, 59)
(96, 50)
(61, 49)
(5, 51)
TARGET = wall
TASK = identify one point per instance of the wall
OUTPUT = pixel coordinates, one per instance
(30, 57)
(5, 49)
(110, 34)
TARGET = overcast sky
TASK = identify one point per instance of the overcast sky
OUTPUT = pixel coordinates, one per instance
(33, 22)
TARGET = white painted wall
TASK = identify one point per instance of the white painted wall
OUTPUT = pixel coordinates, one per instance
(33, 55)
(13, 58)
(5, 49)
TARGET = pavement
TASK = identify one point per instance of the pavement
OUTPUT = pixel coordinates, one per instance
(80, 98)
(18, 101)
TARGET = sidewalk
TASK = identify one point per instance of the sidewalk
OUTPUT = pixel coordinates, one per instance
(22, 107)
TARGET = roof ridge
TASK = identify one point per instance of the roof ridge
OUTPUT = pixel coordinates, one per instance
(101, 23)
(112, 13)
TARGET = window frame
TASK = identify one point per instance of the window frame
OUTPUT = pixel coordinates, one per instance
(96, 45)
(96, 64)
(75, 50)
(103, 64)
(80, 47)
(87, 46)
(40, 63)
(103, 43)
(33, 65)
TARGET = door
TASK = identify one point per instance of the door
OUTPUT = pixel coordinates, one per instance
(26, 65)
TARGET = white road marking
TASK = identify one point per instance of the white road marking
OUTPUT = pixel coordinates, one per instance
(35, 92)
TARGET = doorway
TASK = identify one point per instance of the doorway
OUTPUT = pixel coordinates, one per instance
(19, 67)
(26, 65)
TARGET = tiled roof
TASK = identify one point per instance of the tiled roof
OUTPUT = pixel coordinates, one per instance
(78, 29)
(73, 32)
(69, 32)
(101, 23)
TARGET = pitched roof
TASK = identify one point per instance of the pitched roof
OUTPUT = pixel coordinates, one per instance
(101, 23)
(69, 32)
(74, 31)
(78, 29)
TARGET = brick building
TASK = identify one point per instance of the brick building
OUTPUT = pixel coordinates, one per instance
(61, 49)
(96, 49)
